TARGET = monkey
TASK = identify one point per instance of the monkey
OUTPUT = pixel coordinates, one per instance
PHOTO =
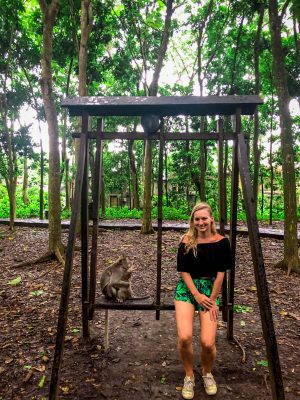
(115, 285)
(151, 123)
(115, 281)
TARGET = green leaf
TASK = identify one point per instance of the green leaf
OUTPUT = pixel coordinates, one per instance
(27, 366)
(36, 293)
(15, 281)
(75, 330)
(42, 381)
(163, 380)
(264, 363)
(242, 309)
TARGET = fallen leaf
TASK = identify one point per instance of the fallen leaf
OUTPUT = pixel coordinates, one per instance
(36, 293)
(264, 363)
(9, 360)
(40, 368)
(42, 381)
(15, 281)
(28, 376)
(65, 389)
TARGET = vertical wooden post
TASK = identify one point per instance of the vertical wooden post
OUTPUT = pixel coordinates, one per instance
(222, 208)
(96, 199)
(260, 274)
(65, 293)
(85, 234)
(233, 221)
(159, 217)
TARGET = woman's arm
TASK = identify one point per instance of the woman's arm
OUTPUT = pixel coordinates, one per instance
(214, 310)
(217, 286)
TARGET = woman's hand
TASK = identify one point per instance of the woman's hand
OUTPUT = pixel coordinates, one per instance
(214, 312)
(204, 301)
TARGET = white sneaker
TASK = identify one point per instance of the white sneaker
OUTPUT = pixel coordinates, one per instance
(188, 388)
(210, 385)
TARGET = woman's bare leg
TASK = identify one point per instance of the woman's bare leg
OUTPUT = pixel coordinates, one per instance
(184, 318)
(208, 331)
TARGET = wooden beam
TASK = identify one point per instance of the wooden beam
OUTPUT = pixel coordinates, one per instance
(233, 223)
(85, 236)
(96, 197)
(65, 293)
(155, 136)
(159, 218)
(260, 274)
(161, 106)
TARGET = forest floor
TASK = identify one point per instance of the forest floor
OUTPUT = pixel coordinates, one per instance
(142, 362)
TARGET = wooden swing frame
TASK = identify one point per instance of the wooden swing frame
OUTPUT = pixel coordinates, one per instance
(235, 106)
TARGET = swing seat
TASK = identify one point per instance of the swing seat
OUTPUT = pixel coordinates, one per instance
(166, 303)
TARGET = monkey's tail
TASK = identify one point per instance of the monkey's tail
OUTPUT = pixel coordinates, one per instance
(139, 298)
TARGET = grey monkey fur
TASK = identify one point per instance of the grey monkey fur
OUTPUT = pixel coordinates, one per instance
(151, 123)
(115, 281)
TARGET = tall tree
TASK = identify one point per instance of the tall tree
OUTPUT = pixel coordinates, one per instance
(7, 150)
(290, 261)
(256, 152)
(49, 12)
(153, 90)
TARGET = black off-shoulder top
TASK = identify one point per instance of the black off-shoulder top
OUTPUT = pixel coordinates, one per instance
(211, 258)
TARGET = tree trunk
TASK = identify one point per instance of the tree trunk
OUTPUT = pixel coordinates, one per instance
(135, 187)
(49, 15)
(147, 222)
(41, 196)
(64, 155)
(256, 153)
(10, 176)
(25, 181)
(203, 162)
(291, 261)
(36, 107)
(86, 22)
(166, 177)
(225, 179)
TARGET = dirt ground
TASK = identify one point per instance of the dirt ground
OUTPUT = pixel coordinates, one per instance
(142, 361)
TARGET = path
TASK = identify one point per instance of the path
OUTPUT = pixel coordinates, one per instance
(131, 224)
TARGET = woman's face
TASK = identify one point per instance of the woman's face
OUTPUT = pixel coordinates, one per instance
(202, 220)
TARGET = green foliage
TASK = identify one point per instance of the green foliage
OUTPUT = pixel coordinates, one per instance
(242, 309)
(124, 212)
(30, 210)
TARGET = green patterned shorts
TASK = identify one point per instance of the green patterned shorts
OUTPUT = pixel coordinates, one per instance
(204, 286)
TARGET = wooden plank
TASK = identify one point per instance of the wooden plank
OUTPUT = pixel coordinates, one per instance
(96, 197)
(159, 219)
(85, 234)
(131, 305)
(161, 106)
(222, 207)
(260, 275)
(233, 223)
(155, 136)
(65, 294)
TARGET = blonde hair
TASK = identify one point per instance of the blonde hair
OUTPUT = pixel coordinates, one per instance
(192, 233)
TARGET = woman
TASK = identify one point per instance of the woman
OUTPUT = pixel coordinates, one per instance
(203, 257)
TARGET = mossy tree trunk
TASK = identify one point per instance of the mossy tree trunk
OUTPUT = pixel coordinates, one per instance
(290, 261)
